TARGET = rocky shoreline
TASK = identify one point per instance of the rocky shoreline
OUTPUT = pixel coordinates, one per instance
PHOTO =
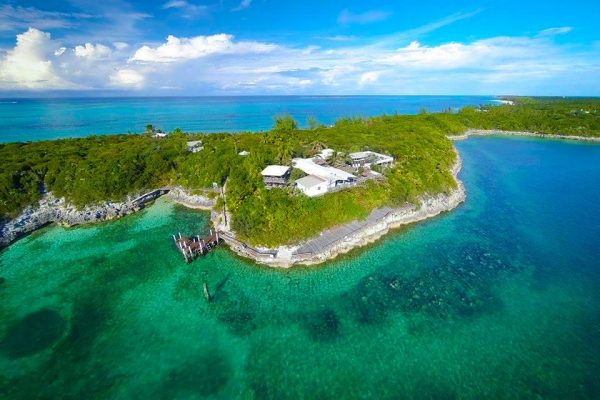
(379, 223)
(51, 209)
(181, 196)
(491, 132)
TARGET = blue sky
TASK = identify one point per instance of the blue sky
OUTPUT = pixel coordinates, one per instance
(192, 47)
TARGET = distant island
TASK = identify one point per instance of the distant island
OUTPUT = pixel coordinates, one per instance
(281, 197)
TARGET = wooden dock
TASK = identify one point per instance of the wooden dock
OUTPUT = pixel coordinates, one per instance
(192, 247)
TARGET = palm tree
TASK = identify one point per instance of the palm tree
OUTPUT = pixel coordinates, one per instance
(316, 147)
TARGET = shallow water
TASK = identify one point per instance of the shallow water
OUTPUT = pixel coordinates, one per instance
(497, 299)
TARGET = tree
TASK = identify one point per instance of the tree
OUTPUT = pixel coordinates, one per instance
(316, 147)
(313, 123)
(149, 128)
(285, 123)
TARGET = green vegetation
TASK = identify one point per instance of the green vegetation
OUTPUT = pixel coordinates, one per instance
(574, 116)
(95, 169)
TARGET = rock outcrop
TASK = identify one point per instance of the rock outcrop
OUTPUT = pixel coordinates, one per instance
(57, 210)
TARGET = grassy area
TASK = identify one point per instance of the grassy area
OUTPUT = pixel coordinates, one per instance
(95, 169)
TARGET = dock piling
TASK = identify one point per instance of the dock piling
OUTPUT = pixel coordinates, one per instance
(206, 292)
(191, 247)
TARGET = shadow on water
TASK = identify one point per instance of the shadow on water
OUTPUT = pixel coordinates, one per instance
(71, 359)
(321, 325)
(35, 332)
(236, 312)
(459, 286)
(204, 374)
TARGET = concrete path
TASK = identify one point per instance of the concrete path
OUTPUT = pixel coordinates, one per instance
(331, 236)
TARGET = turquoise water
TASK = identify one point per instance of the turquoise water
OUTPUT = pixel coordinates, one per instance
(497, 299)
(38, 119)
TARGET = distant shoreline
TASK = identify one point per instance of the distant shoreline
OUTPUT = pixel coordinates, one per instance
(492, 132)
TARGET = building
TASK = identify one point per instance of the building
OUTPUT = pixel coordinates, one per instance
(332, 176)
(367, 159)
(312, 185)
(195, 146)
(159, 134)
(276, 175)
(243, 153)
(326, 154)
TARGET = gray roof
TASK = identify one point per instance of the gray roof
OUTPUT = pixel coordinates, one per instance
(309, 181)
(275, 170)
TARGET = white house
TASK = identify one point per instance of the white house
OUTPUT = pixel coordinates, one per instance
(370, 158)
(312, 185)
(326, 154)
(195, 146)
(332, 176)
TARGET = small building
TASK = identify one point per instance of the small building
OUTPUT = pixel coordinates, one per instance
(276, 175)
(312, 185)
(195, 146)
(326, 154)
(243, 153)
(366, 159)
(159, 134)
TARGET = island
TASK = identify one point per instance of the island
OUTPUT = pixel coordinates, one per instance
(282, 197)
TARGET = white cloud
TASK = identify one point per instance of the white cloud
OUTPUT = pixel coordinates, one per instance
(369, 77)
(18, 17)
(180, 49)
(338, 38)
(480, 55)
(243, 5)
(332, 75)
(28, 65)
(127, 78)
(219, 64)
(91, 51)
(189, 10)
(347, 18)
(556, 31)
(120, 45)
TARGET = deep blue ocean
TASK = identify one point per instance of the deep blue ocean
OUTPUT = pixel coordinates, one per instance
(39, 119)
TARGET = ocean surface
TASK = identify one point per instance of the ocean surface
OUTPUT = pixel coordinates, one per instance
(498, 299)
(39, 119)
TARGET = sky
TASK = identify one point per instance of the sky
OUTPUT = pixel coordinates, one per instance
(268, 47)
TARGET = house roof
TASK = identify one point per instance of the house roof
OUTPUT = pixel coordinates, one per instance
(309, 181)
(326, 153)
(324, 172)
(379, 158)
(360, 154)
(275, 170)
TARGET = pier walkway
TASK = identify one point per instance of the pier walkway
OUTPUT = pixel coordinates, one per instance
(194, 246)
(153, 195)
